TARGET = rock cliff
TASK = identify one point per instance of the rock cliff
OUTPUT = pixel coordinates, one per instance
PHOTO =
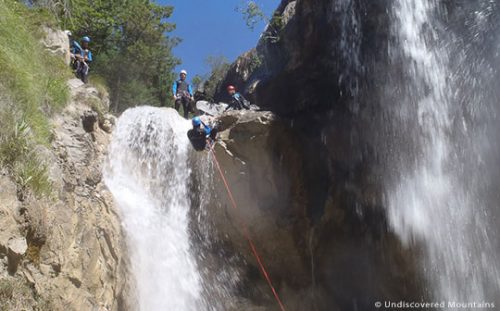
(65, 251)
(323, 251)
(306, 174)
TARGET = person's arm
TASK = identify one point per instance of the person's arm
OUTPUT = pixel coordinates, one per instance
(89, 57)
(76, 48)
(174, 89)
(190, 90)
(244, 102)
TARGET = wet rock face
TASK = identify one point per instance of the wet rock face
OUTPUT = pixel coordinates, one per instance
(319, 54)
(321, 249)
(331, 79)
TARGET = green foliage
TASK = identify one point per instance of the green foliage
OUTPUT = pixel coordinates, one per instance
(219, 66)
(31, 173)
(101, 86)
(196, 81)
(96, 106)
(14, 144)
(33, 79)
(55, 7)
(32, 87)
(274, 28)
(255, 61)
(252, 13)
(131, 49)
(18, 156)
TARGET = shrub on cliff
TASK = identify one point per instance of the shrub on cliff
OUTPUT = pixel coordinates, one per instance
(30, 78)
(32, 87)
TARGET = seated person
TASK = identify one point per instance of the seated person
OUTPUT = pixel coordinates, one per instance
(238, 102)
(201, 135)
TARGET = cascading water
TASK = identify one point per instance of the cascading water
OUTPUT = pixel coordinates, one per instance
(435, 145)
(148, 174)
(350, 44)
(431, 202)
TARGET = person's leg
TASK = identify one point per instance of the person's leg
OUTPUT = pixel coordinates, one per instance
(177, 104)
(79, 70)
(185, 106)
(213, 133)
(85, 72)
(191, 106)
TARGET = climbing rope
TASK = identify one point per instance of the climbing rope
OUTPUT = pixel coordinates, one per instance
(247, 234)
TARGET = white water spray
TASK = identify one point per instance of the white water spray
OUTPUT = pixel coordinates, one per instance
(431, 204)
(148, 175)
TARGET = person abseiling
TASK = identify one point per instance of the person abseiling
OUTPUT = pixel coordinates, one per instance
(238, 102)
(201, 135)
(183, 94)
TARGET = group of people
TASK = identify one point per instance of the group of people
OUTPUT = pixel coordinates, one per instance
(203, 134)
(80, 56)
(183, 96)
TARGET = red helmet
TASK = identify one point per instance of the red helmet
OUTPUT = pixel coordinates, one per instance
(231, 88)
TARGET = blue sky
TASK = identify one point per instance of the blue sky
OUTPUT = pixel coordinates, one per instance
(212, 27)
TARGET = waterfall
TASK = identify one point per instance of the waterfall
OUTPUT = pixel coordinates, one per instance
(432, 203)
(148, 173)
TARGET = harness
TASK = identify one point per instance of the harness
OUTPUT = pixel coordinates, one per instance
(182, 88)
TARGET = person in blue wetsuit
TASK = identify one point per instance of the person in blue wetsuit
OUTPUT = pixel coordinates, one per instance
(83, 60)
(80, 55)
(201, 135)
(183, 94)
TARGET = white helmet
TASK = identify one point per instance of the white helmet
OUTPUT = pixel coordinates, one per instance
(68, 33)
(184, 72)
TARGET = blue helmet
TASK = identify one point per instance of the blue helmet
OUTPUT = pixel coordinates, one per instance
(86, 39)
(196, 121)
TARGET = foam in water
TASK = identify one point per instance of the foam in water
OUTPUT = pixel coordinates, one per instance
(147, 173)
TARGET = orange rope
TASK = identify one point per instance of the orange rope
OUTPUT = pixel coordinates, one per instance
(247, 235)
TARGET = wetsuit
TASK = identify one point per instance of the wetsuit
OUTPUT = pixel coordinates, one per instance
(183, 91)
(199, 136)
(238, 102)
(80, 65)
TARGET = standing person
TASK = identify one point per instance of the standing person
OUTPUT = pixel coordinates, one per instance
(238, 102)
(183, 94)
(83, 60)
